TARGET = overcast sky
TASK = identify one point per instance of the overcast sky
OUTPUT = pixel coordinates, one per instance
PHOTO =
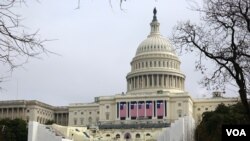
(96, 44)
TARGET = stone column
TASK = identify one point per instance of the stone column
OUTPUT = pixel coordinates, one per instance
(157, 80)
(153, 82)
(128, 110)
(128, 85)
(170, 81)
(166, 81)
(162, 80)
(174, 81)
(67, 119)
(134, 82)
(138, 82)
(143, 81)
(7, 112)
(23, 113)
(179, 86)
(148, 81)
(118, 110)
(12, 113)
(177, 82)
(1, 112)
(181, 83)
(57, 118)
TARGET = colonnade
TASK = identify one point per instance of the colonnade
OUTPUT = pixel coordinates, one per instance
(12, 112)
(61, 118)
(154, 115)
(155, 80)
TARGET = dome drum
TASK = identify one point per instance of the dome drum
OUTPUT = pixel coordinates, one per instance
(155, 81)
(149, 64)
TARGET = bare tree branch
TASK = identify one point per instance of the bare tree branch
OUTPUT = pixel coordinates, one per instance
(16, 45)
(224, 38)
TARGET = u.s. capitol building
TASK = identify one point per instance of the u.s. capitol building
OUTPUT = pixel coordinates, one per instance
(155, 97)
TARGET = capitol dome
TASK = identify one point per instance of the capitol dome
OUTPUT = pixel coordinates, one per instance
(155, 65)
(156, 43)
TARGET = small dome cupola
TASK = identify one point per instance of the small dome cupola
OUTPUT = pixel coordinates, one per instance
(154, 25)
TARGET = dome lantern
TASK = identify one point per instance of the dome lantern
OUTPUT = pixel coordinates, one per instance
(154, 25)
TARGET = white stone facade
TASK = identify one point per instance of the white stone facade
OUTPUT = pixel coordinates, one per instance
(32, 110)
(155, 98)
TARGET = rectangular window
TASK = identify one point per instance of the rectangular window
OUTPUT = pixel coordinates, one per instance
(82, 121)
(107, 116)
(75, 121)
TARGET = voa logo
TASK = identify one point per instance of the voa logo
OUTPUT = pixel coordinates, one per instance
(236, 132)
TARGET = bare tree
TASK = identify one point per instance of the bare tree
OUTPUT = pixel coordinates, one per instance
(224, 38)
(16, 46)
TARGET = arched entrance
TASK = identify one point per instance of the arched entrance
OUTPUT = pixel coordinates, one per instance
(127, 136)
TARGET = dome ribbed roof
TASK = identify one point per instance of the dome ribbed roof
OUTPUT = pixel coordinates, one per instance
(155, 43)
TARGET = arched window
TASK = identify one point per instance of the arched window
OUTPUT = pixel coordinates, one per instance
(127, 136)
(179, 112)
(117, 136)
(137, 136)
(108, 135)
(148, 134)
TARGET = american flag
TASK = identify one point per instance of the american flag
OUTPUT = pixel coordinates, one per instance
(149, 109)
(160, 108)
(133, 109)
(141, 109)
(123, 109)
